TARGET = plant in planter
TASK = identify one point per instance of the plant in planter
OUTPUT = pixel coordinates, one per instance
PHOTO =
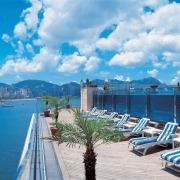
(57, 104)
(54, 103)
(68, 98)
(54, 131)
(57, 129)
(47, 107)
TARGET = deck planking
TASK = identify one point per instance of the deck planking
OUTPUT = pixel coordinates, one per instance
(114, 161)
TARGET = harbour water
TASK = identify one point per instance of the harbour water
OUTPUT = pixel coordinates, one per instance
(14, 123)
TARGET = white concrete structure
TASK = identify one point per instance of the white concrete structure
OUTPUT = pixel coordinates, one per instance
(87, 98)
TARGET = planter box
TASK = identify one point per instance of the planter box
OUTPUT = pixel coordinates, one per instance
(68, 106)
(46, 113)
(54, 131)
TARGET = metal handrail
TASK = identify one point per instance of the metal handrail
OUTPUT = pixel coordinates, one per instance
(31, 165)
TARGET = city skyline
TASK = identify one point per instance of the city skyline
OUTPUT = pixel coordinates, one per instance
(65, 41)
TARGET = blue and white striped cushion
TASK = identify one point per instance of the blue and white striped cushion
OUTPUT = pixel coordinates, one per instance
(93, 109)
(172, 156)
(101, 113)
(166, 134)
(112, 115)
(136, 139)
(139, 127)
(123, 120)
(141, 140)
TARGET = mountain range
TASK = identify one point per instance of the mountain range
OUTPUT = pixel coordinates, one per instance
(39, 83)
(39, 87)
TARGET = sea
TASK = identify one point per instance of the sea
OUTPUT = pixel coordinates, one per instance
(14, 124)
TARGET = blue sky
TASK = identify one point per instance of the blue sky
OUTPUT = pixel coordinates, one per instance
(61, 41)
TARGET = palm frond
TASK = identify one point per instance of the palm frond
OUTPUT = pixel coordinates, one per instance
(86, 133)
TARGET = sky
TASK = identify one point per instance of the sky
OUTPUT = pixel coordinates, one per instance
(61, 41)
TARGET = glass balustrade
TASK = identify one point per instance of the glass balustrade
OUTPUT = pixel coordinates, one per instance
(159, 104)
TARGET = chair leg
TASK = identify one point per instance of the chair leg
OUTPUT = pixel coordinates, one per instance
(145, 150)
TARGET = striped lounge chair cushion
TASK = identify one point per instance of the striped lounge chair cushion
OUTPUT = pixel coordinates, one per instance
(123, 120)
(113, 115)
(172, 156)
(169, 129)
(139, 127)
(141, 140)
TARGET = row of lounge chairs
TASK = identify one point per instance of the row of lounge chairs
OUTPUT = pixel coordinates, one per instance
(142, 144)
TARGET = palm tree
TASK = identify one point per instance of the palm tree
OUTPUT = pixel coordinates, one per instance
(88, 133)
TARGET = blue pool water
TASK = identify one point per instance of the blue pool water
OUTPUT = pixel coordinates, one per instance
(14, 124)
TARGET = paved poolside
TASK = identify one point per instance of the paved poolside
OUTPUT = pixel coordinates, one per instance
(114, 161)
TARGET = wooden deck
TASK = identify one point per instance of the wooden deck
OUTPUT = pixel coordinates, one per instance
(114, 161)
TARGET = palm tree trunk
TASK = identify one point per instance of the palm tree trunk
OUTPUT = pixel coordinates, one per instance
(90, 163)
(56, 115)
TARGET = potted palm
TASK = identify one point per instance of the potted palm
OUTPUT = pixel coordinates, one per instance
(89, 134)
(46, 109)
(68, 98)
(56, 104)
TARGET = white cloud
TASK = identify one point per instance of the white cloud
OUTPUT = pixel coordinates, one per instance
(28, 25)
(172, 58)
(31, 14)
(175, 80)
(92, 64)
(153, 73)
(126, 59)
(46, 60)
(29, 48)
(155, 4)
(103, 74)
(148, 34)
(72, 63)
(168, 13)
(20, 30)
(162, 65)
(122, 78)
(20, 48)
(79, 23)
(107, 44)
(139, 37)
(6, 38)
(18, 66)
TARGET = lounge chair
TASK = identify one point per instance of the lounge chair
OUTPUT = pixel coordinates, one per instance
(111, 116)
(97, 116)
(121, 121)
(89, 113)
(137, 129)
(145, 142)
(172, 159)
